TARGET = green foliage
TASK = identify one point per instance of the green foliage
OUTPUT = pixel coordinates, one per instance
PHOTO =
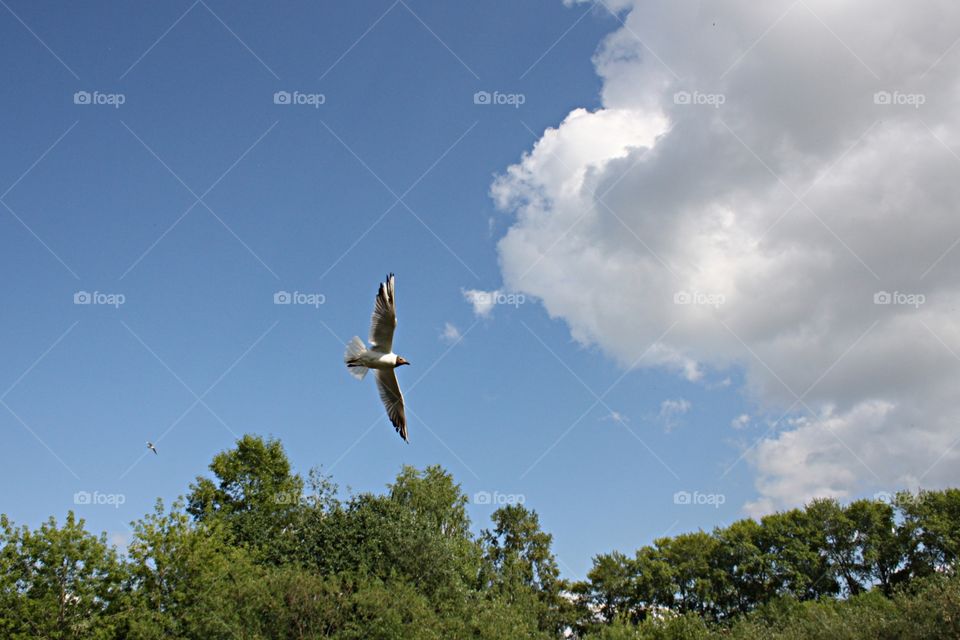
(519, 567)
(257, 552)
(255, 496)
(58, 582)
(931, 530)
(929, 611)
(824, 551)
(188, 581)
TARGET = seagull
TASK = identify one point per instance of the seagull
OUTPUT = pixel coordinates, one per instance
(152, 448)
(380, 356)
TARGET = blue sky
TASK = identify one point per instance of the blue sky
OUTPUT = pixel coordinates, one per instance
(198, 198)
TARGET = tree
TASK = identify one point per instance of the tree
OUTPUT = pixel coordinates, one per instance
(931, 530)
(611, 588)
(189, 581)
(251, 557)
(58, 582)
(797, 547)
(304, 604)
(655, 579)
(519, 566)
(882, 546)
(434, 498)
(254, 495)
(418, 532)
(841, 543)
(689, 557)
(746, 570)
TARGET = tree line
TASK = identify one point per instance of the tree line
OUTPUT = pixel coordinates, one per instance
(256, 551)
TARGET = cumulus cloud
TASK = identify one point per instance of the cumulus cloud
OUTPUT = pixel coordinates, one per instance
(670, 412)
(481, 301)
(741, 421)
(791, 169)
(450, 333)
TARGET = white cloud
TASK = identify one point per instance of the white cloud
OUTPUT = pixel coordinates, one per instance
(616, 416)
(670, 412)
(741, 421)
(482, 301)
(450, 333)
(619, 210)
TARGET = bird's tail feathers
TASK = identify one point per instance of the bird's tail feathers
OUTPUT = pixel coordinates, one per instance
(355, 349)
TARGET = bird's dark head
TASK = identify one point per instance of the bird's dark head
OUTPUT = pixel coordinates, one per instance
(401, 361)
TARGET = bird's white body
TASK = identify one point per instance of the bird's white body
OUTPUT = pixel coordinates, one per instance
(377, 360)
(360, 359)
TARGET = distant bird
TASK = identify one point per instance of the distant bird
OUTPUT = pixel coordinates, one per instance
(380, 356)
(151, 447)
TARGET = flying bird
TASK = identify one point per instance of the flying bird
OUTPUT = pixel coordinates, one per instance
(151, 447)
(380, 356)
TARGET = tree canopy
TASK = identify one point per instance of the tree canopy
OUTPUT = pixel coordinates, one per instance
(255, 550)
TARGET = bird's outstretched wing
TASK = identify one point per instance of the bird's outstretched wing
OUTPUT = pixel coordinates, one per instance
(384, 319)
(392, 399)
